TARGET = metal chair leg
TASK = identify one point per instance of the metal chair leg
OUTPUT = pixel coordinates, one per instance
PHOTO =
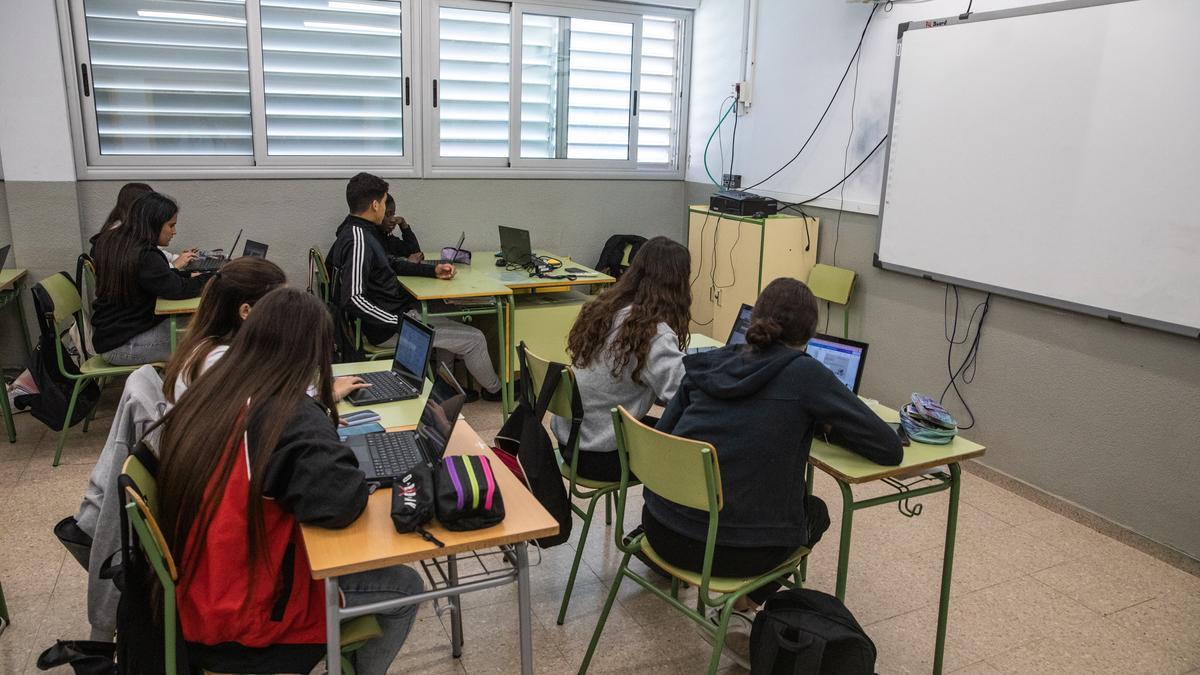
(62, 435)
(612, 596)
(587, 525)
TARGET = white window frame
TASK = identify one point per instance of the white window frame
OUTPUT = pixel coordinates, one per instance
(420, 50)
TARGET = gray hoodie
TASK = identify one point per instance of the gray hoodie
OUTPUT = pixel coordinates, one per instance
(600, 391)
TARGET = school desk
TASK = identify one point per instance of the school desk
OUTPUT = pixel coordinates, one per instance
(10, 291)
(391, 415)
(918, 475)
(173, 309)
(371, 543)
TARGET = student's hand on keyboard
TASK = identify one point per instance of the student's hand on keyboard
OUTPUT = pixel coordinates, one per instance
(346, 385)
(184, 258)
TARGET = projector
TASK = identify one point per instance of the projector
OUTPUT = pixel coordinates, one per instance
(739, 203)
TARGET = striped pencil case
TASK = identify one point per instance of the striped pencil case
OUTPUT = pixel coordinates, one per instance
(468, 496)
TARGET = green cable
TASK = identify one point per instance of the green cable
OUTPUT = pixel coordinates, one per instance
(713, 135)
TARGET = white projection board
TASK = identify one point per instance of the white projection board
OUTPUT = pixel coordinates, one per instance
(1052, 153)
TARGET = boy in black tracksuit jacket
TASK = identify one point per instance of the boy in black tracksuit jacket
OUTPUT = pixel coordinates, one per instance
(760, 408)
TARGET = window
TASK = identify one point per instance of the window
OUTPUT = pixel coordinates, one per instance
(168, 77)
(316, 87)
(333, 77)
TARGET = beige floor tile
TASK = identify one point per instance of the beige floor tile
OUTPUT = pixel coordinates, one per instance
(18, 641)
(1096, 647)
(977, 668)
(1000, 503)
(427, 650)
(1090, 584)
(904, 644)
(1172, 623)
(986, 559)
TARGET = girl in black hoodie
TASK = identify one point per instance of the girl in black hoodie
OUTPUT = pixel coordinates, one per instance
(760, 405)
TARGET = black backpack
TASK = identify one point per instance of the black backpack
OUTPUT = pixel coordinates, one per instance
(807, 631)
(524, 437)
(614, 251)
(49, 405)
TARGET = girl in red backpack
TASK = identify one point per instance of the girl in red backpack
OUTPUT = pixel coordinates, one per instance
(247, 456)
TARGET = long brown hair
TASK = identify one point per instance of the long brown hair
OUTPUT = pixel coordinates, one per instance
(125, 198)
(119, 251)
(785, 312)
(655, 289)
(286, 341)
(217, 320)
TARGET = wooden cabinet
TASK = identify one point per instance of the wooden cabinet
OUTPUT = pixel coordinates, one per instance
(734, 258)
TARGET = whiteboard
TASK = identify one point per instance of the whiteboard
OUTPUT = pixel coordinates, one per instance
(1052, 154)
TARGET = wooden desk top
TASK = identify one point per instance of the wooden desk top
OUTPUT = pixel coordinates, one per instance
(701, 340)
(391, 415)
(469, 282)
(188, 306)
(851, 468)
(371, 542)
(519, 279)
(10, 277)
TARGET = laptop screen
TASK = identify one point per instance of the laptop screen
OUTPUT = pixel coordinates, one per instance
(514, 245)
(441, 411)
(254, 249)
(844, 357)
(412, 348)
(737, 334)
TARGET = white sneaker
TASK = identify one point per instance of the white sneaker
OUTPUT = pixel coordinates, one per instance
(737, 636)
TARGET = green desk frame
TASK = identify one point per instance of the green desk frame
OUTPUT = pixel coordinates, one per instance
(175, 309)
(915, 477)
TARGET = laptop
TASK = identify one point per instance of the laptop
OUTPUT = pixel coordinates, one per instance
(385, 456)
(406, 378)
(737, 333)
(254, 249)
(4, 254)
(844, 357)
(514, 246)
(213, 261)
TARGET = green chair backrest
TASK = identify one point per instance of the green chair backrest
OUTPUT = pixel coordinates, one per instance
(318, 276)
(560, 404)
(65, 297)
(677, 469)
(831, 283)
(146, 483)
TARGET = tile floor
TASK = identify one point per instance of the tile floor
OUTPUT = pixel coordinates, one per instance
(1033, 592)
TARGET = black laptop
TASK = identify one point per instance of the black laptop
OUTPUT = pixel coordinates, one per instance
(515, 246)
(406, 378)
(385, 456)
(254, 249)
(737, 334)
(213, 261)
(843, 356)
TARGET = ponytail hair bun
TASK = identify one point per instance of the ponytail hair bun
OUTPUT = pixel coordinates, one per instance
(763, 332)
(786, 313)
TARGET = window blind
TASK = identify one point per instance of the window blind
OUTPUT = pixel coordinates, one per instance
(170, 77)
(658, 91)
(333, 77)
(473, 82)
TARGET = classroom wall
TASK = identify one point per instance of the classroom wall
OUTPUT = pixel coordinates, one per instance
(1101, 414)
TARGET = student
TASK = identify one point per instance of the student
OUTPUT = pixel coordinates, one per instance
(120, 213)
(626, 348)
(406, 245)
(760, 405)
(246, 457)
(225, 304)
(368, 290)
(131, 275)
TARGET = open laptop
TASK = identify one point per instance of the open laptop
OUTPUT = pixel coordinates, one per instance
(213, 261)
(514, 245)
(737, 333)
(384, 456)
(406, 378)
(844, 357)
(254, 249)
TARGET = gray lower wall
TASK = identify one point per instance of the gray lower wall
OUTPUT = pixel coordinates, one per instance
(570, 217)
(1101, 414)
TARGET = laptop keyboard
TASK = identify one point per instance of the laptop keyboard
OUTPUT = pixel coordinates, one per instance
(393, 454)
(385, 385)
(204, 265)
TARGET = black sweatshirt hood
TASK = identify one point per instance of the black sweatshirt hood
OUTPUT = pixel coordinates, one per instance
(738, 371)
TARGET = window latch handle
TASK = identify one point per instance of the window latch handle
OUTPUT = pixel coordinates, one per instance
(435, 93)
(83, 73)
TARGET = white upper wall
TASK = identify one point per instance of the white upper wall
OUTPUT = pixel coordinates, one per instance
(35, 128)
(803, 47)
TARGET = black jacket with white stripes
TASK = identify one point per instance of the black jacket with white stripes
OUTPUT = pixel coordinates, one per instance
(365, 279)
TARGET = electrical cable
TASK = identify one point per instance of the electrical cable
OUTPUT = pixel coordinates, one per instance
(829, 105)
(967, 367)
(732, 267)
(843, 180)
(720, 140)
(732, 144)
(700, 268)
(709, 143)
(837, 230)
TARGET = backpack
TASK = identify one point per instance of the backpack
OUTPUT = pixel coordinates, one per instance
(49, 405)
(523, 438)
(613, 253)
(806, 631)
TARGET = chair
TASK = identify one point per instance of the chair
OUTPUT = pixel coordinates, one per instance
(833, 285)
(580, 488)
(4, 618)
(58, 306)
(85, 284)
(320, 283)
(685, 472)
(141, 491)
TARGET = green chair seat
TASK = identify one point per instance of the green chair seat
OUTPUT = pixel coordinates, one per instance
(565, 470)
(360, 629)
(718, 584)
(98, 366)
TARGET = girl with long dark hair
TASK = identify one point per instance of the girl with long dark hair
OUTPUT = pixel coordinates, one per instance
(627, 348)
(131, 274)
(246, 457)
